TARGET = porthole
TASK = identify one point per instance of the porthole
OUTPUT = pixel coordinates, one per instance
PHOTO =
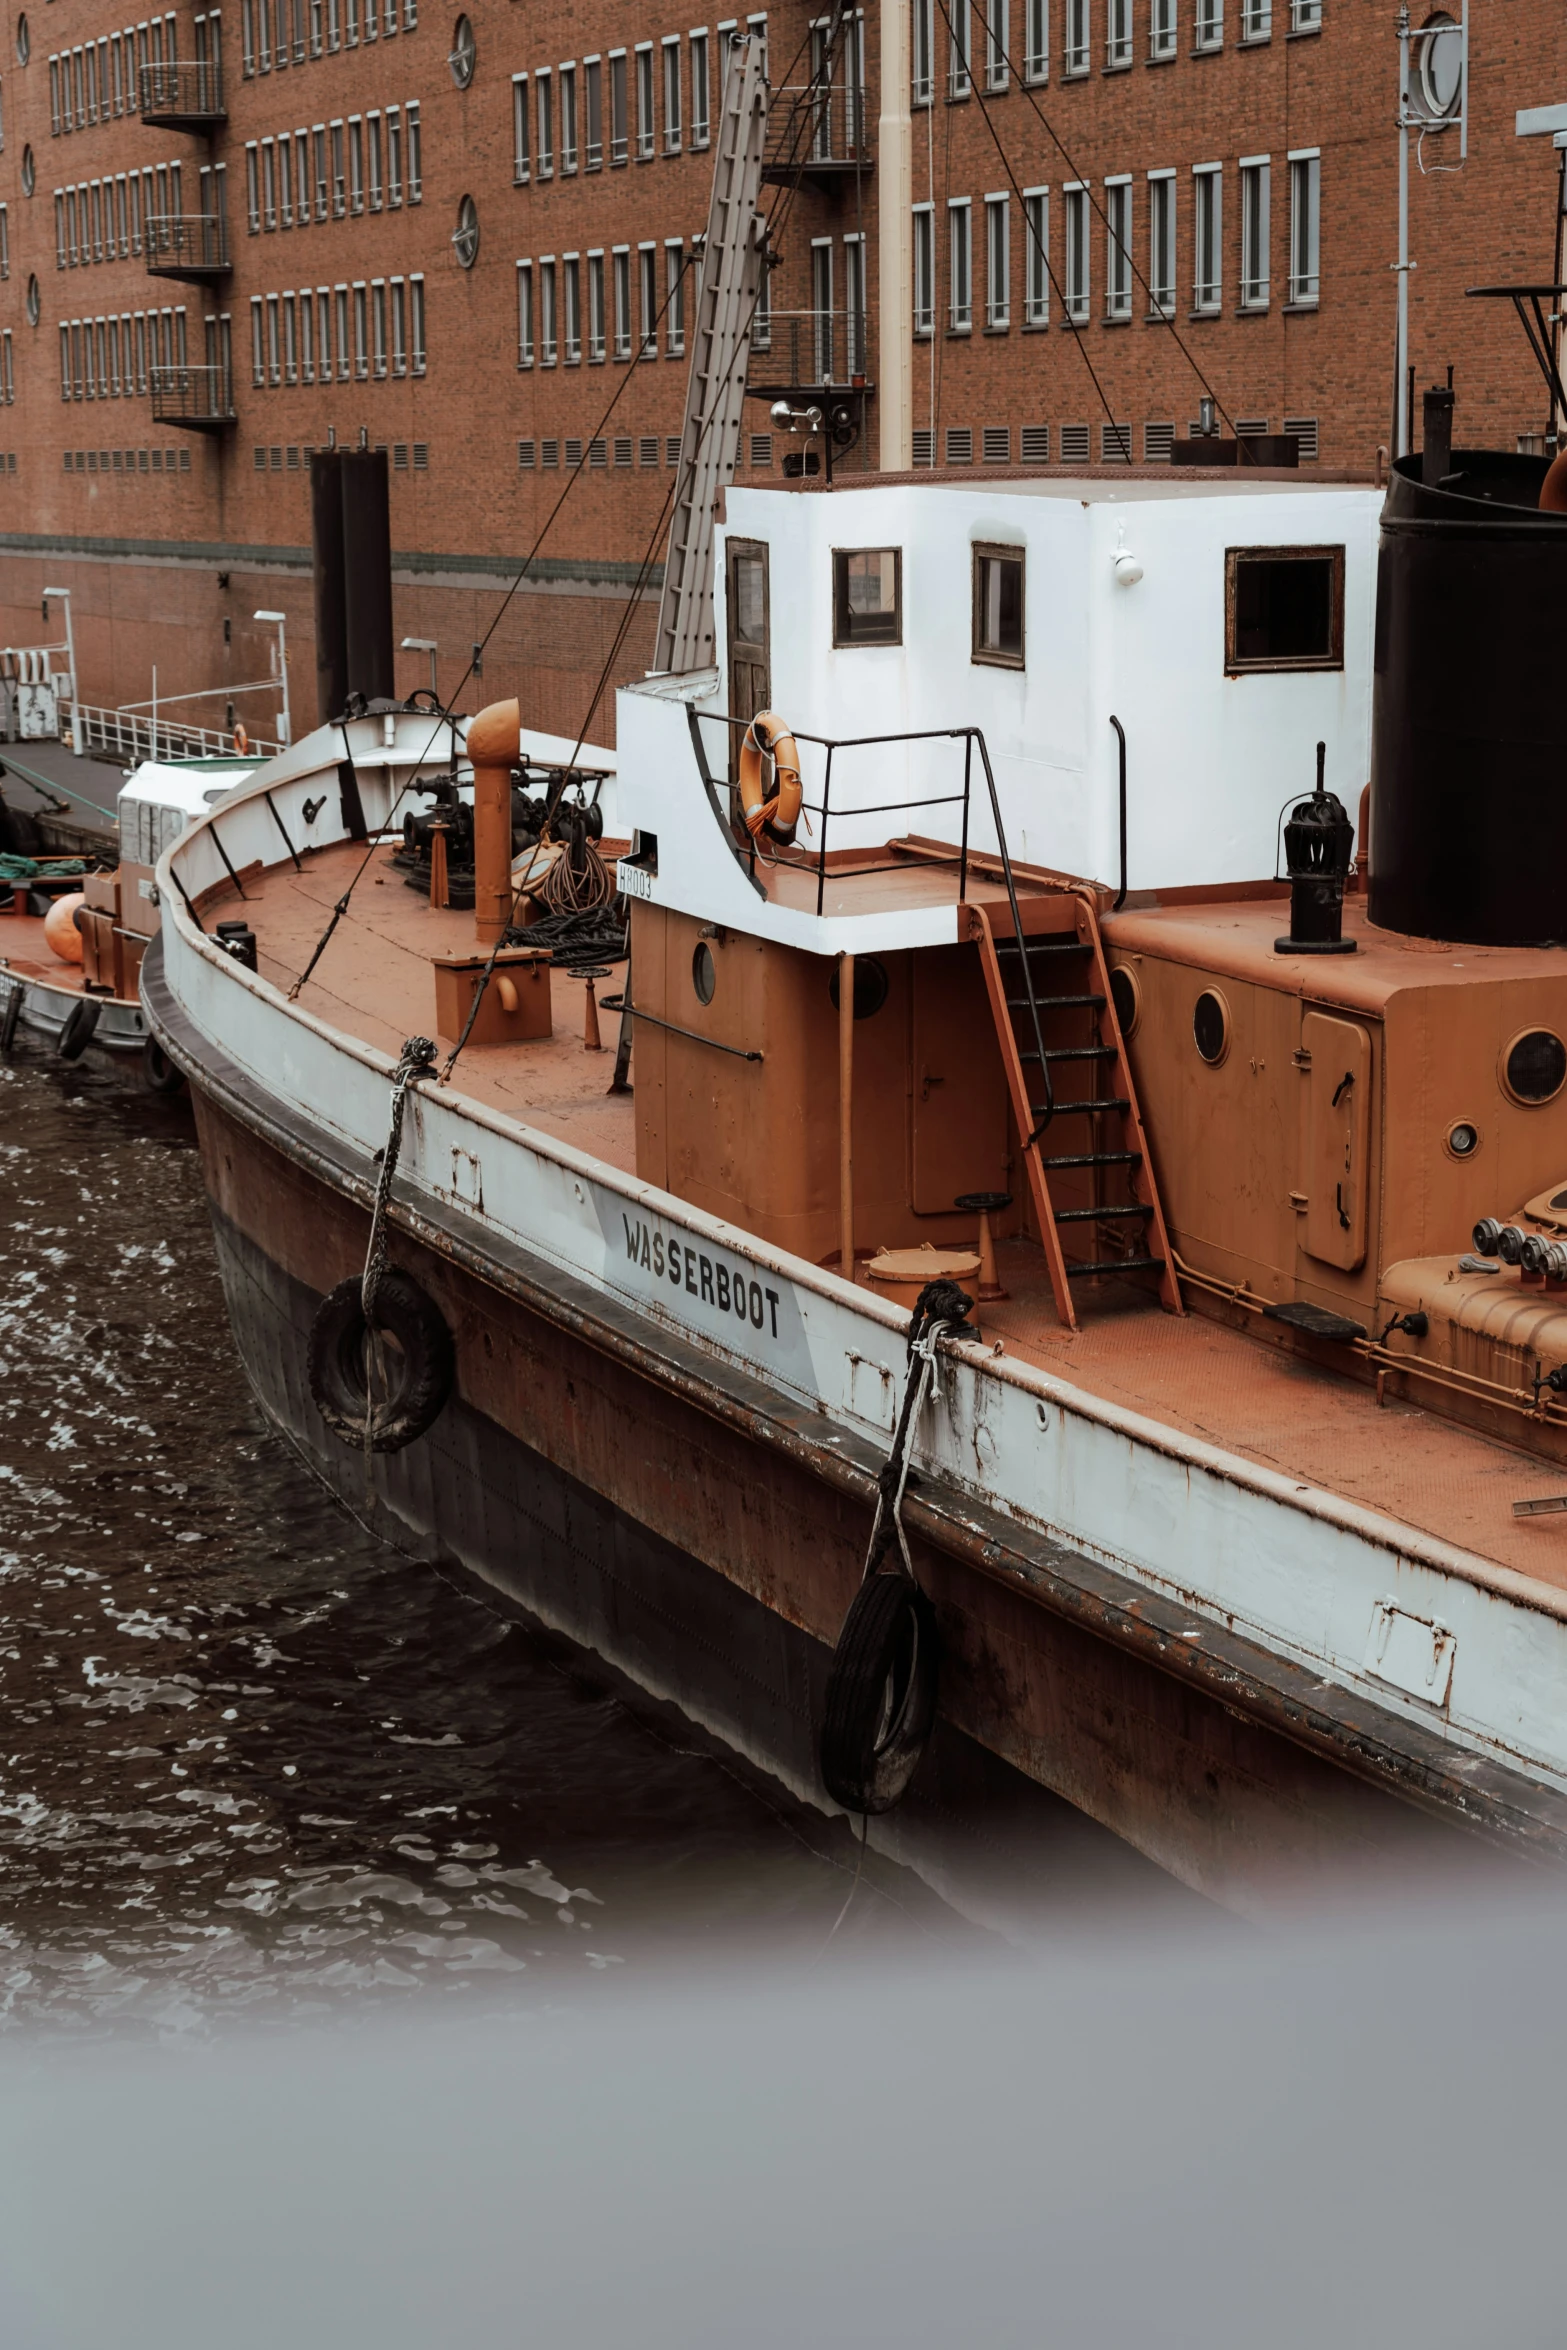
(1211, 1026)
(35, 302)
(870, 987)
(29, 172)
(465, 236)
(24, 40)
(1127, 996)
(704, 973)
(1440, 73)
(1462, 1139)
(465, 52)
(1534, 1067)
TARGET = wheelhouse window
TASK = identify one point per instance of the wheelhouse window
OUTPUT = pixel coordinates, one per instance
(998, 606)
(1283, 608)
(867, 596)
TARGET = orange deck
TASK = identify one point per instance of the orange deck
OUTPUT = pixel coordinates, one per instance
(25, 950)
(1191, 1374)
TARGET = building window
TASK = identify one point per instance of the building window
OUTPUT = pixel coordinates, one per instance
(854, 304)
(672, 110)
(1036, 43)
(1305, 16)
(867, 596)
(960, 266)
(922, 33)
(568, 118)
(617, 106)
(416, 346)
(998, 606)
(1118, 248)
(596, 308)
(1305, 227)
(547, 312)
(252, 188)
(700, 101)
(571, 288)
(1208, 238)
(1283, 608)
(1076, 36)
(1209, 26)
(356, 165)
(1161, 244)
(1161, 28)
(647, 269)
(998, 264)
(960, 53)
(525, 314)
(545, 103)
(997, 44)
(644, 104)
(339, 173)
(521, 144)
(378, 325)
(821, 308)
(1077, 274)
(1255, 177)
(361, 332)
(399, 327)
(622, 258)
(1036, 257)
(675, 314)
(1256, 20)
(593, 115)
(924, 271)
(1118, 33)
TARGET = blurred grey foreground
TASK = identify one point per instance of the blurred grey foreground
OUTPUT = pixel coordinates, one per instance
(1175, 2138)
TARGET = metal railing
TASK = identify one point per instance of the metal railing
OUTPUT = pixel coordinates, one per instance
(804, 347)
(817, 123)
(192, 395)
(134, 734)
(180, 244)
(179, 91)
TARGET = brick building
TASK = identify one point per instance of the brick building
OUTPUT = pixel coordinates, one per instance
(225, 238)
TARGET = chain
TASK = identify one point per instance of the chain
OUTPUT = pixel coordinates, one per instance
(418, 1060)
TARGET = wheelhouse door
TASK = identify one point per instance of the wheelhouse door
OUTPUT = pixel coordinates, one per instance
(750, 638)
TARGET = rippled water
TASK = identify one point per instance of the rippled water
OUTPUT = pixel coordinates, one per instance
(252, 1760)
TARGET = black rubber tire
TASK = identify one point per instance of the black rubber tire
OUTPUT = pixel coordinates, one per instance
(9, 1019)
(422, 1362)
(881, 1694)
(80, 1027)
(158, 1073)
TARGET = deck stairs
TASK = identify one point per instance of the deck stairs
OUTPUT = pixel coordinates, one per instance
(1090, 1176)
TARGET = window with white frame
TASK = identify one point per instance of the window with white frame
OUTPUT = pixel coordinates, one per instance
(672, 107)
(1036, 40)
(998, 44)
(415, 165)
(645, 125)
(1209, 24)
(821, 309)
(546, 282)
(1161, 244)
(416, 342)
(854, 303)
(1118, 246)
(762, 315)
(521, 143)
(596, 309)
(1305, 16)
(1305, 226)
(924, 271)
(399, 326)
(675, 311)
(1255, 178)
(1256, 20)
(700, 100)
(252, 187)
(1118, 33)
(1077, 273)
(1207, 235)
(922, 35)
(622, 277)
(960, 266)
(647, 271)
(545, 106)
(571, 308)
(998, 264)
(617, 106)
(592, 114)
(1161, 28)
(1076, 36)
(960, 56)
(362, 331)
(568, 118)
(1036, 257)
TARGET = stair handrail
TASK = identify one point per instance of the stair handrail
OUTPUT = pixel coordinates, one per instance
(977, 734)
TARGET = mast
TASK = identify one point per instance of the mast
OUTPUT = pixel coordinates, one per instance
(895, 240)
(731, 277)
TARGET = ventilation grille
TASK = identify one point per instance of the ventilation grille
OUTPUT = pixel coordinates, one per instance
(526, 456)
(1036, 444)
(1158, 443)
(549, 453)
(598, 453)
(1305, 430)
(623, 450)
(573, 452)
(924, 447)
(1115, 444)
(960, 445)
(761, 452)
(1250, 428)
(1074, 444)
(998, 444)
(647, 449)
(672, 449)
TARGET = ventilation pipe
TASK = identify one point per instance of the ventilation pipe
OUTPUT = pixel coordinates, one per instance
(494, 742)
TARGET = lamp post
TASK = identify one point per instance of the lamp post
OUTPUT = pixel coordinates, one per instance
(64, 595)
(277, 620)
(424, 644)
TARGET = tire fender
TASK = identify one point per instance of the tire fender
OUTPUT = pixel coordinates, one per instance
(419, 1365)
(158, 1073)
(881, 1694)
(10, 1017)
(77, 1034)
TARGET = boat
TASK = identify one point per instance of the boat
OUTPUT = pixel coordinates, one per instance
(1063, 1282)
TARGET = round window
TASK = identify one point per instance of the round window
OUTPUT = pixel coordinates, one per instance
(465, 236)
(1534, 1066)
(704, 973)
(465, 52)
(29, 172)
(1441, 68)
(35, 302)
(870, 987)
(1127, 997)
(24, 40)
(1463, 1139)
(1211, 1026)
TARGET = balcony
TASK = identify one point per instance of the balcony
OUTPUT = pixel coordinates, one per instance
(199, 398)
(189, 245)
(797, 352)
(180, 96)
(819, 132)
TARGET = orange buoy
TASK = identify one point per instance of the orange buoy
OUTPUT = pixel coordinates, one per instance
(1553, 490)
(60, 931)
(241, 741)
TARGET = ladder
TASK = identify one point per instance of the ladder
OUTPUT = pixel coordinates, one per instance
(1089, 1173)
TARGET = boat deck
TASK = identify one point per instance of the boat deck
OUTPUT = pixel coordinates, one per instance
(27, 954)
(1189, 1373)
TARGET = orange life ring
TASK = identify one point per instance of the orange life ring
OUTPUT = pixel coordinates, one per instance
(241, 741)
(770, 794)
